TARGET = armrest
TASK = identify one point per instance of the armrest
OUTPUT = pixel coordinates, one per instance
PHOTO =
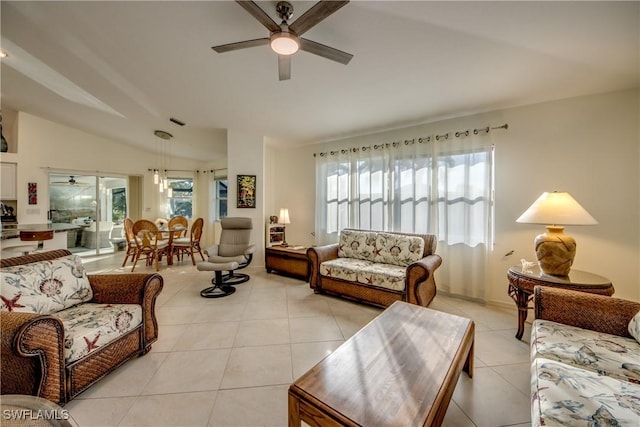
(250, 249)
(317, 255)
(588, 311)
(140, 289)
(421, 284)
(33, 356)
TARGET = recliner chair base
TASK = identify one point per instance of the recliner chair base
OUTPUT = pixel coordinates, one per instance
(222, 285)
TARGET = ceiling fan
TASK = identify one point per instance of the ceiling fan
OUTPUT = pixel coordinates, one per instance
(285, 39)
(70, 182)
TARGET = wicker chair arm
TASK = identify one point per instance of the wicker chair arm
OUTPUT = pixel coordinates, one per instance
(316, 256)
(421, 285)
(33, 355)
(122, 288)
(588, 311)
(140, 289)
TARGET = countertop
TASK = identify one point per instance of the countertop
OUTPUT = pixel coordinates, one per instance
(14, 233)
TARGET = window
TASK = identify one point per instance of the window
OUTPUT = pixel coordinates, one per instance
(118, 204)
(181, 200)
(220, 198)
(442, 190)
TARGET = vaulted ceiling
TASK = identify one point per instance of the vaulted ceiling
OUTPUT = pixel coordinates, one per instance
(122, 69)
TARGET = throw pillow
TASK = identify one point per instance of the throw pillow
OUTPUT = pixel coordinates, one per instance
(398, 249)
(634, 327)
(357, 244)
(44, 287)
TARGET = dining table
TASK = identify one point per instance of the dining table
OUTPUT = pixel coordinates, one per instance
(169, 234)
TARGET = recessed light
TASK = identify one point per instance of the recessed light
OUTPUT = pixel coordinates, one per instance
(3, 54)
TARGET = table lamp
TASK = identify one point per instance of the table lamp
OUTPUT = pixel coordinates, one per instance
(284, 220)
(554, 249)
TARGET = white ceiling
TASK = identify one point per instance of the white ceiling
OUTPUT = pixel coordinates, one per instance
(122, 69)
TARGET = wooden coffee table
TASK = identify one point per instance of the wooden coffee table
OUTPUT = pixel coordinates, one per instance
(400, 369)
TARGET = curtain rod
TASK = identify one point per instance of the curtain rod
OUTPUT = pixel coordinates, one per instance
(420, 140)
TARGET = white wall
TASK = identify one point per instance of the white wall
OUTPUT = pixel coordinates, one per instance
(589, 146)
(246, 156)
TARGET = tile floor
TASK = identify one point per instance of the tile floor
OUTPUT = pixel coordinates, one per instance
(229, 361)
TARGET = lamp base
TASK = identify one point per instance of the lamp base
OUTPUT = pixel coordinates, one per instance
(555, 251)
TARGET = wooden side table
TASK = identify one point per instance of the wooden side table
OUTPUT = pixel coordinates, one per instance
(288, 261)
(521, 284)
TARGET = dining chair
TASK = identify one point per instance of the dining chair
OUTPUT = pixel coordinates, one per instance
(190, 244)
(131, 241)
(178, 225)
(148, 243)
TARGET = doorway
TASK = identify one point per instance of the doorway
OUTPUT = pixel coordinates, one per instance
(97, 205)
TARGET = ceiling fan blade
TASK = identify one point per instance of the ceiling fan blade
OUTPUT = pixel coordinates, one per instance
(317, 13)
(325, 51)
(284, 67)
(259, 14)
(240, 45)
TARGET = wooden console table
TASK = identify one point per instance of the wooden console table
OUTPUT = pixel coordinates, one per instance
(284, 259)
(521, 284)
(400, 369)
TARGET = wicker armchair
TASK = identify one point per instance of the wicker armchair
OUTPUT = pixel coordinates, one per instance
(33, 345)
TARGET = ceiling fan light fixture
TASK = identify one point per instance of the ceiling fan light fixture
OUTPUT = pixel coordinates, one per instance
(284, 43)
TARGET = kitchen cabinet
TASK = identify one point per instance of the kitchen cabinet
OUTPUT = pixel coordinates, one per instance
(8, 181)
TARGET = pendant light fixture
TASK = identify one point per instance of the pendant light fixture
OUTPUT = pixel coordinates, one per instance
(160, 174)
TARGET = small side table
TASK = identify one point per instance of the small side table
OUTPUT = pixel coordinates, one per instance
(521, 284)
(288, 261)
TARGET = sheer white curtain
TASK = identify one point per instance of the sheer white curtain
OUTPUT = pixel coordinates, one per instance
(441, 184)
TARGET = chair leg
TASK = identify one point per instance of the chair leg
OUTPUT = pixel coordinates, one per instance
(135, 261)
(193, 259)
(219, 289)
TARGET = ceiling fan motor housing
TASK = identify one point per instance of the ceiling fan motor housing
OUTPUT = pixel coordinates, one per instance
(284, 10)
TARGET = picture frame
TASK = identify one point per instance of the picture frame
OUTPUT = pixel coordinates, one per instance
(246, 191)
(32, 190)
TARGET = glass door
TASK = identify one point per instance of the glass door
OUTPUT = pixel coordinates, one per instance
(95, 204)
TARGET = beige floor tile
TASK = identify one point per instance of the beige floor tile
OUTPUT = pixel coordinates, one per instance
(189, 371)
(351, 323)
(518, 375)
(306, 355)
(266, 295)
(258, 366)
(500, 348)
(254, 406)
(455, 417)
(99, 412)
(129, 379)
(490, 401)
(219, 310)
(175, 315)
(262, 332)
(184, 409)
(310, 329)
(201, 336)
(168, 335)
(276, 309)
(308, 307)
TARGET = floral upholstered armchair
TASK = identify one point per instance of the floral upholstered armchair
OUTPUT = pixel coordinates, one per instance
(63, 330)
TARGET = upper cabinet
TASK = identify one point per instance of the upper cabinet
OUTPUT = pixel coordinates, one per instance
(8, 183)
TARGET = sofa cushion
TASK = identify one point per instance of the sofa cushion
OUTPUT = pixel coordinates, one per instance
(44, 287)
(87, 327)
(398, 249)
(605, 354)
(564, 395)
(365, 272)
(634, 327)
(357, 244)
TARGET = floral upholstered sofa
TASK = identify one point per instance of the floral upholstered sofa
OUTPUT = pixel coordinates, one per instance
(377, 267)
(63, 330)
(585, 360)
